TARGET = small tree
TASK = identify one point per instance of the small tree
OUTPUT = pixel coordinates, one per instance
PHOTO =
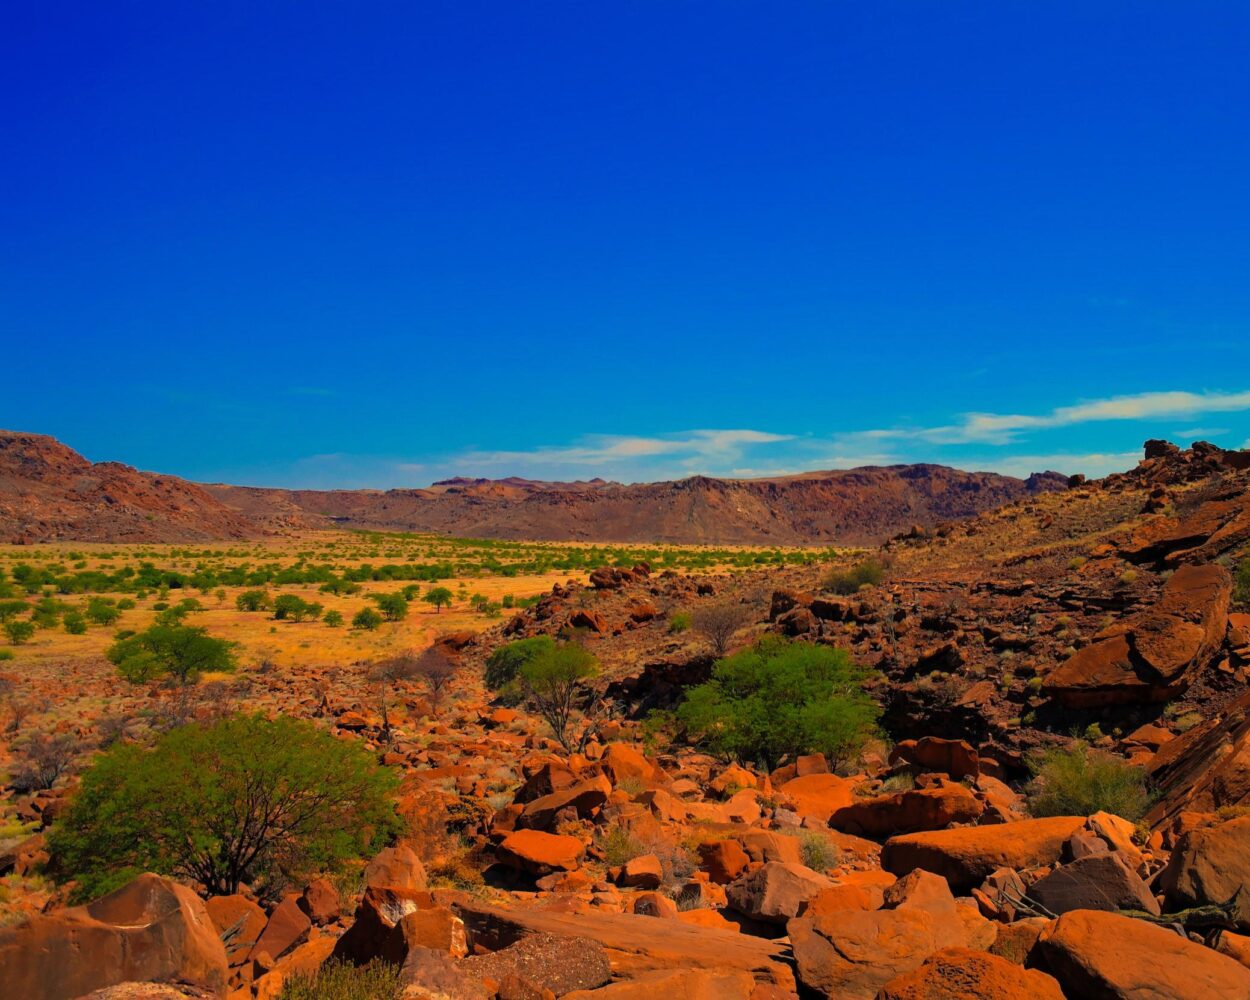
(554, 681)
(438, 596)
(19, 632)
(868, 572)
(74, 623)
(296, 609)
(504, 663)
(334, 619)
(394, 607)
(1079, 781)
(719, 622)
(44, 758)
(252, 600)
(181, 651)
(781, 698)
(436, 670)
(11, 609)
(247, 799)
(387, 674)
(366, 619)
(102, 612)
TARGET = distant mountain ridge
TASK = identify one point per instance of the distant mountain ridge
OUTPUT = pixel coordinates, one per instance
(50, 492)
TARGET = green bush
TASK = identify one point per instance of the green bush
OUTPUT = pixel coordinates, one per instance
(848, 581)
(505, 662)
(252, 600)
(333, 618)
(679, 621)
(553, 682)
(6, 654)
(438, 596)
(247, 799)
(102, 612)
(819, 853)
(289, 607)
(74, 622)
(19, 632)
(782, 698)
(394, 607)
(341, 981)
(1241, 582)
(367, 619)
(1080, 781)
(11, 609)
(180, 651)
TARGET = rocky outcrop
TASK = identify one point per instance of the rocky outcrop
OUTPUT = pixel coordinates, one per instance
(151, 929)
(1156, 655)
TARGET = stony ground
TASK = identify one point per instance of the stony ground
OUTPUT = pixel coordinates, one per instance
(639, 869)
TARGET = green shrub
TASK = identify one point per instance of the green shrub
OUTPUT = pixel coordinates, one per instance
(252, 600)
(1241, 582)
(505, 662)
(247, 799)
(19, 632)
(1080, 781)
(781, 698)
(553, 682)
(848, 581)
(74, 622)
(181, 651)
(819, 854)
(679, 621)
(438, 596)
(333, 618)
(342, 981)
(394, 607)
(367, 619)
(289, 607)
(102, 612)
(6, 654)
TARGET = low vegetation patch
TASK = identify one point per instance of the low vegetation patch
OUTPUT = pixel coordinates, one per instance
(1080, 781)
(247, 799)
(782, 698)
(341, 981)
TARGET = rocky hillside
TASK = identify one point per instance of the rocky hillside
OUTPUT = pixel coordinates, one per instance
(855, 506)
(49, 492)
(927, 868)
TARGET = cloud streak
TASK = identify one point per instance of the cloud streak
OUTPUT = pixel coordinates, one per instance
(1006, 428)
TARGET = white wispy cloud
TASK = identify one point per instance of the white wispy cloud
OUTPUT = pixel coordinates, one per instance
(1006, 428)
(714, 445)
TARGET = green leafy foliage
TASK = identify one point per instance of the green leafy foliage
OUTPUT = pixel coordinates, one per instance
(848, 581)
(290, 607)
(1241, 582)
(19, 632)
(101, 611)
(247, 799)
(553, 681)
(181, 651)
(505, 663)
(439, 597)
(1080, 781)
(334, 619)
(366, 619)
(253, 600)
(74, 623)
(342, 981)
(394, 607)
(782, 698)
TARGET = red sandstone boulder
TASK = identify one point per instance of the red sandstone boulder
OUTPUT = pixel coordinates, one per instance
(540, 853)
(151, 929)
(1209, 865)
(909, 811)
(963, 974)
(775, 892)
(966, 855)
(1104, 955)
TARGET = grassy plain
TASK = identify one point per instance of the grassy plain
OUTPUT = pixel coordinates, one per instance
(341, 571)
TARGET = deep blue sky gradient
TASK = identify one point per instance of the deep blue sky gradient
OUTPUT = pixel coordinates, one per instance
(376, 244)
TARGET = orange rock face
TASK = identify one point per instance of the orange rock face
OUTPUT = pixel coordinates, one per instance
(150, 929)
(963, 974)
(540, 853)
(1095, 954)
(966, 855)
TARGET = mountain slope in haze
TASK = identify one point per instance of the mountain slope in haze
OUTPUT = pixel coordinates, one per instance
(854, 506)
(49, 492)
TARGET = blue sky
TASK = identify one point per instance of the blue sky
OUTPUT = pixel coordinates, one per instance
(379, 244)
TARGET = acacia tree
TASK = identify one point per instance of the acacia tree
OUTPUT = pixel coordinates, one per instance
(438, 596)
(554, 682)
(719, 622)
(387, 674)
(247, 799)
(436, 669)
(182, 651)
